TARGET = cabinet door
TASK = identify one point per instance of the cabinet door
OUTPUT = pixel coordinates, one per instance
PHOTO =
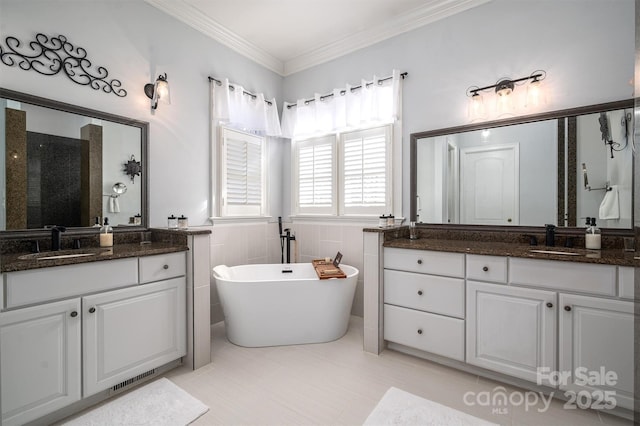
(511, 330)
(131, 331)
(596, 339)
(39, 360)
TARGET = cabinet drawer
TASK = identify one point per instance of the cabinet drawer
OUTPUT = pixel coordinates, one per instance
(44, 284)
(428, 332)
(572, 276)
(626, 276)
(427, 262)
(163, 266)
(487, 268)
(430, 293)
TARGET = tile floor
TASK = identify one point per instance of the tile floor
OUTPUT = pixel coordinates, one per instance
(338, 384)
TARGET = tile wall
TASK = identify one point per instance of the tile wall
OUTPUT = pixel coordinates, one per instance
(251, 243)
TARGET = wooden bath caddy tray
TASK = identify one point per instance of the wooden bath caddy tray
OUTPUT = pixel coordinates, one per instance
(326, 270)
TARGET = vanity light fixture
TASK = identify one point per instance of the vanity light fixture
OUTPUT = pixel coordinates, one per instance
(158, 91)
(503, 90)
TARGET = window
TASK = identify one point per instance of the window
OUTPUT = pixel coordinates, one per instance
(343, 174)
(243, 174)
(364, 167)
(315, 177)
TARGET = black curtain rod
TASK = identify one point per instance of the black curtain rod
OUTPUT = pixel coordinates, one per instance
(342, 92)
(232, 87)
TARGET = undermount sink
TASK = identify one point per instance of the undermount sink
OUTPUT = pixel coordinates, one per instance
(62, 254)
(566, 253)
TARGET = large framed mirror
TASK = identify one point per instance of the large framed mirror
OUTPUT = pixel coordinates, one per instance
(71, 166)
(553, 168)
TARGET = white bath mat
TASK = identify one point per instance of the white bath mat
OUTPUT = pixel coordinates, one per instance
(398, 407)
(158, 403)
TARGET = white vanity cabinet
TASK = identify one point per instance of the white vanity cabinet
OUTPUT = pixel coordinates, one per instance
(40, 360)
(422, 308)
(511, 330)
(567, 325)
(596, 347)
(57, 352)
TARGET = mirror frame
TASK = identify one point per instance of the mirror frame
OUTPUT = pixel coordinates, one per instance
(565, 113)
(74, 109)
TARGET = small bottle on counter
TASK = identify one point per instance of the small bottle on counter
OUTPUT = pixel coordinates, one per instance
(137, 219)
(593, 238)
(183, 222)
(382, 221)
(96, 224)
(413, 231)
(391, 221)
(106, 234)
(172, 222)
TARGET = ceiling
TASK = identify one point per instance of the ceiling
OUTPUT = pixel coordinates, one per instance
(287, 36)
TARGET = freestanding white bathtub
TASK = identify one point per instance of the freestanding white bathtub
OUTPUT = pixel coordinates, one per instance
(264, 306)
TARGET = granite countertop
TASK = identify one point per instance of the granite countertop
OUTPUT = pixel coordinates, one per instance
(182, 231)
(23, 261)
(606, 256)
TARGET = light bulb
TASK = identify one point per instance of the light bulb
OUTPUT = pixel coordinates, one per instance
(476, 107)
(162, 91)
(535, 96)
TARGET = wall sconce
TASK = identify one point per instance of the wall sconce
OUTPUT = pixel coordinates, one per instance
(158, 91)
(503, 90)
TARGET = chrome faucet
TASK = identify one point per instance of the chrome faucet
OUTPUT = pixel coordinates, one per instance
(55, 237)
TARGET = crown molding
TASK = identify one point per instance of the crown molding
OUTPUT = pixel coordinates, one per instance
(401, 24)
(198, 21)
(416, 18)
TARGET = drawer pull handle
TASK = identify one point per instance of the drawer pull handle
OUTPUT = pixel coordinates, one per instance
(549, 305)
(567, 308)
(74, 314)
(485, 268)
(92, 309)
(419, 261)
(165, 267)
(419, 331)
(419, 292)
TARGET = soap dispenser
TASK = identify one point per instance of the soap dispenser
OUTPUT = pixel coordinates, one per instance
(593, 238)
(106, 234)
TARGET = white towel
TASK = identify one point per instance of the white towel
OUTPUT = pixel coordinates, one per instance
(114, 205)
(610, 206)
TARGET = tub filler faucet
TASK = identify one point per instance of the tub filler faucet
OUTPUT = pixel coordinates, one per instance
(285, 241)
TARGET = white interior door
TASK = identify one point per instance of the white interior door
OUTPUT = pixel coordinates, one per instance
(453, 184)
(490, 185)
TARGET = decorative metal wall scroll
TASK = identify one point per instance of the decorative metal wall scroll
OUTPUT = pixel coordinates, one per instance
(49, 56)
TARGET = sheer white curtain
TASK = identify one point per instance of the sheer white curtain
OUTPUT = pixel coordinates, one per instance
(234, 108)
(373, 103)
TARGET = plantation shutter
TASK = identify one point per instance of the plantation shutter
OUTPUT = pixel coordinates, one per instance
(315, 176)
(243, 179)
(365, 171)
